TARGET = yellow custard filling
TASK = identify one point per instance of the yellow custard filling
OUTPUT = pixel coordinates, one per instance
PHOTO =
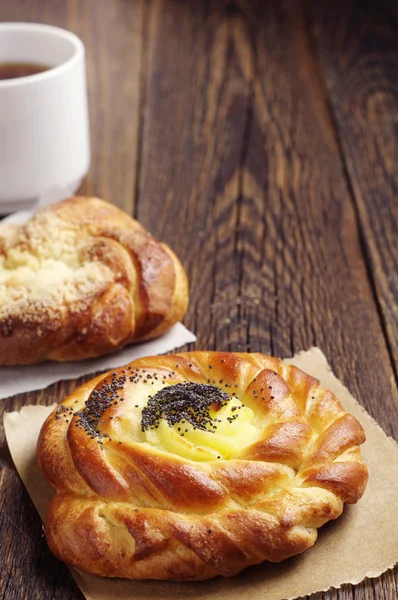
(230, 429)
(225, 442)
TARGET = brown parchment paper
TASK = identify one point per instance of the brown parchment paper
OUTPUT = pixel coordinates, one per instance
(363, 542)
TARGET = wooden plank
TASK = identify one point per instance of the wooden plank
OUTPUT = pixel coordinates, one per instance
(241, 174)
(358, 53)
(112, 34)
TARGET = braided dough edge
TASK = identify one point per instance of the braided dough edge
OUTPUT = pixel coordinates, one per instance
(230, 526)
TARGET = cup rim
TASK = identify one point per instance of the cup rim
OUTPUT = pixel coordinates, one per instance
(77, 55)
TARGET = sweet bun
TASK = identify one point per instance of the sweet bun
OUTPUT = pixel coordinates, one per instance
(194, 465)
(82, 279)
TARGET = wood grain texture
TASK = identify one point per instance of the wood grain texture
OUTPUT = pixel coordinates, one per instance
(358, 55)
(213, 124)
(249, 188)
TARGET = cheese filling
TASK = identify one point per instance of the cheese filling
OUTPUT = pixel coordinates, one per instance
(44, 267)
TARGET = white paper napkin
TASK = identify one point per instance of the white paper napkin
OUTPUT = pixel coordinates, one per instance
(15, 380)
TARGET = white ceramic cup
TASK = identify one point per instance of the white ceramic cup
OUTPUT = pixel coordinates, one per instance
(44, 126)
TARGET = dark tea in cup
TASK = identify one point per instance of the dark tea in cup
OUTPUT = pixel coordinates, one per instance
(13, 70)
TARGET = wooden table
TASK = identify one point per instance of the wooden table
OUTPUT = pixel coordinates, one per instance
(259, 140)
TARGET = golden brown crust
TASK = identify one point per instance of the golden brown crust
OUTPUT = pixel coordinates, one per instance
(82, 279)
(127, 507)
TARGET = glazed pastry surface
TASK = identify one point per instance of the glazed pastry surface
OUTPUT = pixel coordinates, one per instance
(197, 464)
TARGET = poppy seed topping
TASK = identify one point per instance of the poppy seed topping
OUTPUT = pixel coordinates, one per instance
(184, 402)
